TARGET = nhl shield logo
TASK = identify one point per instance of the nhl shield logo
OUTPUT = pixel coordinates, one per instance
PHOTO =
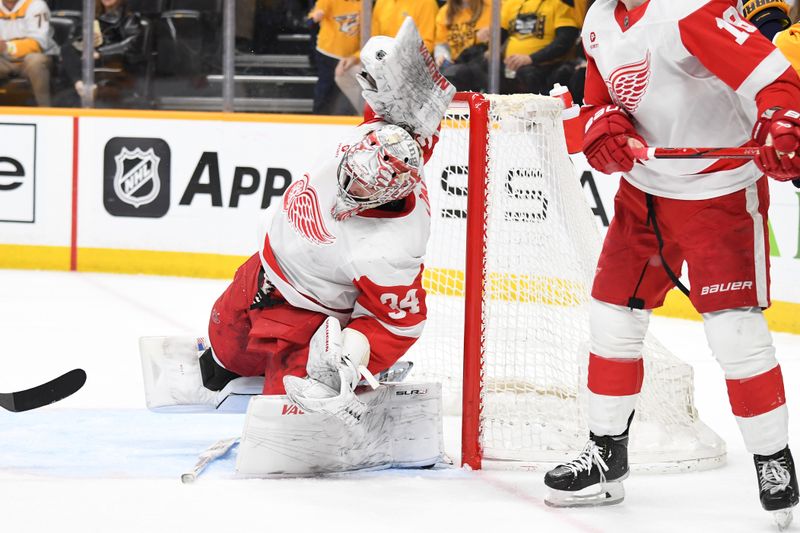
(136, 181)
(136, 177)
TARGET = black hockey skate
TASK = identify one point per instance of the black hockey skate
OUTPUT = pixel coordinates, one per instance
(594, 478)
(777, 484)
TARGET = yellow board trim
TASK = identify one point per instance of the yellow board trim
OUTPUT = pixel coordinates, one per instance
(181, 115)
(24, 257)
(194, 265)
(782, 316)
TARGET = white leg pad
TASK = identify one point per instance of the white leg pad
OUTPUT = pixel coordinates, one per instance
(403, 428)
(173, 382)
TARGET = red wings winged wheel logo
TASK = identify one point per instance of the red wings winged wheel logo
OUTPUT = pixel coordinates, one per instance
(301, 205)
(628, 83)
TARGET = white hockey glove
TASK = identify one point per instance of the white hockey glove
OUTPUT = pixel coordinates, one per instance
(334, 358)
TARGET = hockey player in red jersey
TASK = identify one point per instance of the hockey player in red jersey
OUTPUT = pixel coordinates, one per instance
(684, 73)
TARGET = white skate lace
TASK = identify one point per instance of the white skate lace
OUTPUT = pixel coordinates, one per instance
(588, 457)
(775, 476)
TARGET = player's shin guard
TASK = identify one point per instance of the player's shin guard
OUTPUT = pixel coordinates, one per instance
(616, 368)
(741, 342)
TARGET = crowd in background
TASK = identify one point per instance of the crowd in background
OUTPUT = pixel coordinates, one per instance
(539, 43)
(136, 41)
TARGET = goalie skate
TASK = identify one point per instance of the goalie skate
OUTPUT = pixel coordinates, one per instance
(594, 478)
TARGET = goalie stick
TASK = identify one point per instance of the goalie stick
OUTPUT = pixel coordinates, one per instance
(214, 452)
(45, 394)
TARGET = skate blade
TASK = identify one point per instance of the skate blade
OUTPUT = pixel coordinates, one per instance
(610, 493)
(783, 517)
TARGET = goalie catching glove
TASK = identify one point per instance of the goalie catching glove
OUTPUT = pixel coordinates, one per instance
(777, 133)
(334, 359)
(401, 83)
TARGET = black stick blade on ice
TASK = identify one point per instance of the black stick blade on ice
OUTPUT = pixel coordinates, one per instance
(44, 394)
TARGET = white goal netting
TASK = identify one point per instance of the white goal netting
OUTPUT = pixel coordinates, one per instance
(541, 249)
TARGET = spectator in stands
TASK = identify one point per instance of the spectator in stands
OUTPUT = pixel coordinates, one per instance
(338, 38)
(581, 7)
(387, 17)
(572, 73)
(116, 42)
(25, 42)
(538, 36)
(458, 51)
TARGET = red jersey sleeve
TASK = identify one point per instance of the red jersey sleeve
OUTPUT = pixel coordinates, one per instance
(391, 317)
(733, 50)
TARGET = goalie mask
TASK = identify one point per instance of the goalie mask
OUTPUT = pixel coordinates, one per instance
(386, 165)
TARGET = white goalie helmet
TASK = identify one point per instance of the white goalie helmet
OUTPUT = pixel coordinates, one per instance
(386, 165)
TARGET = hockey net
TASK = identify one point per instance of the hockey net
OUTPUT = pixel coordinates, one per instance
(508, 291)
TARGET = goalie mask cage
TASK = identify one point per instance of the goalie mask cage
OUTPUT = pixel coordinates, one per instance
(508, 273)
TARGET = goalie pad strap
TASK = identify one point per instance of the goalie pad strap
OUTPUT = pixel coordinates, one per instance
(215, 376)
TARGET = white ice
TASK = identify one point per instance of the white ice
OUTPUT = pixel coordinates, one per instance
(99, 462)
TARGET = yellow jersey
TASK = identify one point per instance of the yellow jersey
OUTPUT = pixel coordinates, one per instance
(788, 42)
(532, 24)
(581, 7)
(460, 34)
(339, 29)
(25, 28)
(388, 16)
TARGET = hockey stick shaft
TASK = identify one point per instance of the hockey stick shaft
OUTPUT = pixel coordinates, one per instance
(214, 452)
(740, 152)
(44, 394)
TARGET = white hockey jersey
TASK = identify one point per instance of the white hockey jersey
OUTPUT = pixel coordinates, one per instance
(26, 28)
(688, 72)
(366, 270)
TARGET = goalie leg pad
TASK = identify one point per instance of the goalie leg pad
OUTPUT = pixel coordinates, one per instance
(173, 379)
(401, 428)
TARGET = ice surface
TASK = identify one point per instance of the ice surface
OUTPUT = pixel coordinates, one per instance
(99, 462)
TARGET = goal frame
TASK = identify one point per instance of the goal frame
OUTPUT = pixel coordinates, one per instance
(475, 267)
(674, 439)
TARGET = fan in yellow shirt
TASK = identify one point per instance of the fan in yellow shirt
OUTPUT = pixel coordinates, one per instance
(339, 37)
(538, 35)
(458, 51)
(387, 17)
(457, 25)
